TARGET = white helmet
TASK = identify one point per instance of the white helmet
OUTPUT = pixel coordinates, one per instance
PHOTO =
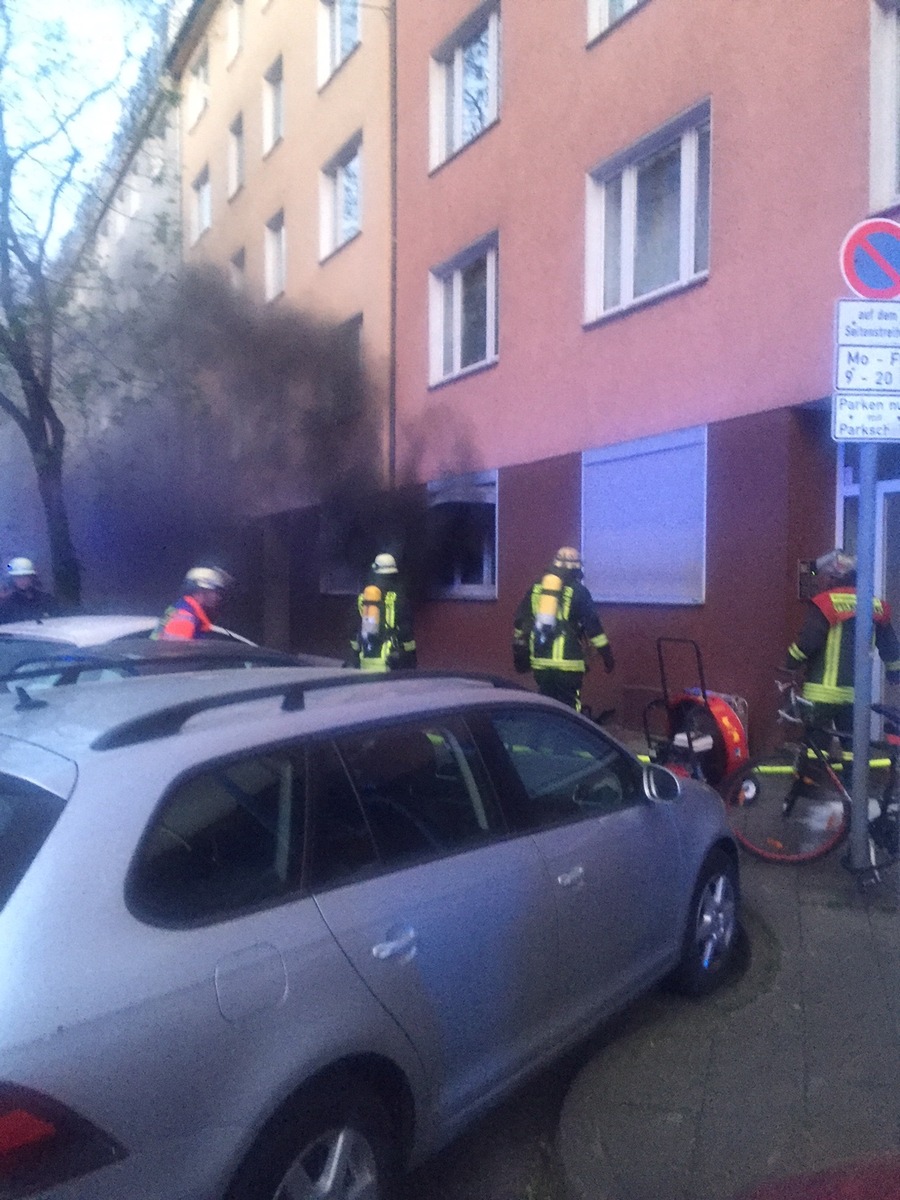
(20, 567)
(836, 563)
(384, 564)
(210, 579)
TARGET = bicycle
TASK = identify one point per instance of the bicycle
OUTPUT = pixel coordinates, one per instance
(791, 806)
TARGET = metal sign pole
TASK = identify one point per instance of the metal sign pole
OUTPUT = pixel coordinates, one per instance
(862, 674)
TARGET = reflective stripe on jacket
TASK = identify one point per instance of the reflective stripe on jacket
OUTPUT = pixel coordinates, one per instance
(577, 622)
(182, 621)
(825, 646)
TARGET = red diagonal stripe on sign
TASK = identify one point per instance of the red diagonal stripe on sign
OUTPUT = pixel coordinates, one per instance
(881, 261)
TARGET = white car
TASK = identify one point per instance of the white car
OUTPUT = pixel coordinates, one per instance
(272, 934)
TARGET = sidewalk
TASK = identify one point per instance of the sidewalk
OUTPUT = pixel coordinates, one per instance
(793, 1068)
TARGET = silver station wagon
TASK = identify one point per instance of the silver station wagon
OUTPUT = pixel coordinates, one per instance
(276, 934)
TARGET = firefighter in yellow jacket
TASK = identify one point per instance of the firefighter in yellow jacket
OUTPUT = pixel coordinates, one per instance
(384, 639)
(555, 625)
(824, 649)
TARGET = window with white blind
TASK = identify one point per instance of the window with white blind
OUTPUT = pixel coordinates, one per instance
(643, 513)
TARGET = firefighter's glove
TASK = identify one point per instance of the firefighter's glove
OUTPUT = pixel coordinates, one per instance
(609, 663)
(521, 658)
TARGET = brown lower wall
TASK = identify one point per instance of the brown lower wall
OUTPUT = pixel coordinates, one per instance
(770, 502)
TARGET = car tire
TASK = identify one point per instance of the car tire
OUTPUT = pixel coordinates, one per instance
(712, 933)
(332, 1143)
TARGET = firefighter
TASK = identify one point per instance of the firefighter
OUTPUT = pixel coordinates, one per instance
(824, 650)
(24, 599)
(191, 615)
(384, 639)
(555, 626)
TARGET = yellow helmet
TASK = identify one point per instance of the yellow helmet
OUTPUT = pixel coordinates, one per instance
(568, 559)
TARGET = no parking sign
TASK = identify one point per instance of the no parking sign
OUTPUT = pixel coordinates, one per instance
(870, 259)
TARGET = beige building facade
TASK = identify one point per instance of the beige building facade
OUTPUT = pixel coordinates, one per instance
(287, 159)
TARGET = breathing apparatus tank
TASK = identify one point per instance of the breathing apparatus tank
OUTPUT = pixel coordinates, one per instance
(370, 630)
(547, 613)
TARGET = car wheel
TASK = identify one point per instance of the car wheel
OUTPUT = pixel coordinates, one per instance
(711, 936)
(332, 1145)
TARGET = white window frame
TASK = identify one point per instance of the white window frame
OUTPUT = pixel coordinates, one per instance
(446, 78)
(476, 488)
(234, 30)
(644, 519)
(884, 105)
(332, 180)
(275, 256)
(236, 155)
(202, 204)
(237, 270)
(450, 273)
(330, 53)
(273, 105)
(625, 166)
(599, 19)
(198, 86)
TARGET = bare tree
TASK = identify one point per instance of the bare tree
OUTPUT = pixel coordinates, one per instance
(43, 104)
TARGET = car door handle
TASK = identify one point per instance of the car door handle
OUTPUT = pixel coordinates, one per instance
(403, 946)
(571, 878)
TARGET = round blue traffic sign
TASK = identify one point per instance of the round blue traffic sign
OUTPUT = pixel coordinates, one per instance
(870, 259)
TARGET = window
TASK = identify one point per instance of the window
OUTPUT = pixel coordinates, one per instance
(275, 256)
(229, 839)
(235, 155)
(884, 124)
(567, 772)
(234, 34)
(338, 34)
(273, 106)
(202, 215)
(465, 83)
(603, 13)
(463, 311)
(422, 788)
(462, 536)
(647, 217)
(198, 86)
(644, 520)
(340, 199)
(27, 814)
(237, 270)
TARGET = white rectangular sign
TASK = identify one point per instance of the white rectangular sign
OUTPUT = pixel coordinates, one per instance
(865, 418)
(866, 404)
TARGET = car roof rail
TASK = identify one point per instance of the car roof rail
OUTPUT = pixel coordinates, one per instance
(163, 722)
(70, 666)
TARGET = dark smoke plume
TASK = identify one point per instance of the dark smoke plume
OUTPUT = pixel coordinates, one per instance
(287, 418)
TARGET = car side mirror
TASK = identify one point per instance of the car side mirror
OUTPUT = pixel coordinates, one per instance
(660, 784)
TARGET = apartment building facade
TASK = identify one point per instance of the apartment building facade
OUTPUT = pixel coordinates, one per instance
(619, 224)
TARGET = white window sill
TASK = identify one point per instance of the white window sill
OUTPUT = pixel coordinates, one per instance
(329, 254)
(474, 369)
(672, 289)
(452, 154)
(465, 591)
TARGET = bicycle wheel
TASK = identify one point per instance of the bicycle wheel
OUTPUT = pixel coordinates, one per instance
(782, 817)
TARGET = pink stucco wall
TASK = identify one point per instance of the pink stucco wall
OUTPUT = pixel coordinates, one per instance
(788, 85)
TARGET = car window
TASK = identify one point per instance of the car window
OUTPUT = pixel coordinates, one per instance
(27, 814)
(339, 846)
(567, 770)
(423, 789)
(227, 839)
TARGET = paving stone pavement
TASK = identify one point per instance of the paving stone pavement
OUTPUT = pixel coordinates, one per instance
(792, 1068)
